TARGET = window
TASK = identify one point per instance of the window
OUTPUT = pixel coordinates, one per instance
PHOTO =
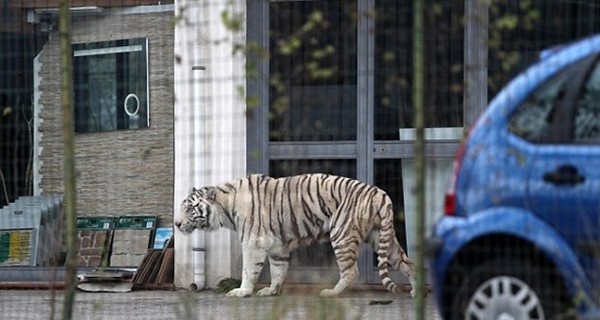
(587, 112)
(534, 118)
(110, 80)
(313, 88)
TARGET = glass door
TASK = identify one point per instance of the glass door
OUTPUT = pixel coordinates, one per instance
(312, 104)
(333, 95)
(391, 162)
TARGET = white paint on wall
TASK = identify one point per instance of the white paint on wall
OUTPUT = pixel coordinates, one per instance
(210, 125)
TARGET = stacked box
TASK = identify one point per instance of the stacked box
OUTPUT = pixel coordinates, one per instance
(131, 240)
(51, 231)
(32, 232)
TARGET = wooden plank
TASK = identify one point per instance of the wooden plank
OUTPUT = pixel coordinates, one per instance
(146, 269)
(155, 267)
(155, 271)
(138, 273)
(167, 272)
(167, 268)
(38, 4)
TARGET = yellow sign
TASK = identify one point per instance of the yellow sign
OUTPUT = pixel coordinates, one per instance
(15, 248)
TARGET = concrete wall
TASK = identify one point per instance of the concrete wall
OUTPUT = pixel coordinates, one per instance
(119, 172)
(210, 126)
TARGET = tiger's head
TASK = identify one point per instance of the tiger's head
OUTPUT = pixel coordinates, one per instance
(198, 211)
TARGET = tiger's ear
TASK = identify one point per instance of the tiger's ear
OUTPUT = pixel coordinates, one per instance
(210, 193)
(194, 190)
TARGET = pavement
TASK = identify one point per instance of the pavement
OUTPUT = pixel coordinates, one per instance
(183, 304)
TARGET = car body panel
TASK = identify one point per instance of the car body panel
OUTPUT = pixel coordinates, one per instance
(572, 210)
(490, 128)
(507, 185)
(458, 232)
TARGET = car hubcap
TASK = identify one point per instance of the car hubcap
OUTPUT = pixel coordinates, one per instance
(504, 298)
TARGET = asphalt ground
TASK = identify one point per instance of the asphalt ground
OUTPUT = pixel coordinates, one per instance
(183, 304)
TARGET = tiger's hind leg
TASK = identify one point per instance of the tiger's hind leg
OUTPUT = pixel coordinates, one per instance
(400, 261)
(278, 266)
(346, 254)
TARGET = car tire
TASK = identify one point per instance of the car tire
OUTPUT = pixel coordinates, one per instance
(507, 289)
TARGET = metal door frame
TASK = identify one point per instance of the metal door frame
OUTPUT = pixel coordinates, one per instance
(365, 150)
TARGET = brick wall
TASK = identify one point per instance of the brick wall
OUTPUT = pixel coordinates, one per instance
(120, 172)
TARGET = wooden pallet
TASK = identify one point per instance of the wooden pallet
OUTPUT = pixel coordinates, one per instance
(156, 269)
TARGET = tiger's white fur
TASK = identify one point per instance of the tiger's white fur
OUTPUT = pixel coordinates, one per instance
(274, 216)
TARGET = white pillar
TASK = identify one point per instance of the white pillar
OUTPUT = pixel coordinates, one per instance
(37, 135)
(210, 124)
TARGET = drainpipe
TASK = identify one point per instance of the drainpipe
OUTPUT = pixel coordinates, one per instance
(189, 134)
(198, 237)
(199, 256)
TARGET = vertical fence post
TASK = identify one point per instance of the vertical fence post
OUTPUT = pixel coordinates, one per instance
(476, 59)
(419, 123)
(66, 67)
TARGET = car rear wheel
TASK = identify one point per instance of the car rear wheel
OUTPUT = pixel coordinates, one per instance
(504, 298)
(505, 290)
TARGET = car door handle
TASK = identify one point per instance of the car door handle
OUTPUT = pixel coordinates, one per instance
(564, 175)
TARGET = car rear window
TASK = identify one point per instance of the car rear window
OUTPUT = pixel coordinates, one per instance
(534, 116)
(587, 113)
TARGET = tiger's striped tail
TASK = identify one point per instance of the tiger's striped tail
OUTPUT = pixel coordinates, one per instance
(382, 265)
(389, 252)
(386, 241)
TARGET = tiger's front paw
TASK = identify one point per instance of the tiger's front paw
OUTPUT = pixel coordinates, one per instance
(267, 292)
(239, 293)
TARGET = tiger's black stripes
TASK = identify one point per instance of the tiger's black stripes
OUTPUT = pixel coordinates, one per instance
(275, 216)
(294, 223)
(280, 213)
(271, 208)
(252, 206)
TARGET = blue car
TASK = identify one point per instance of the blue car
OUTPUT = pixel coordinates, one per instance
(520, 235)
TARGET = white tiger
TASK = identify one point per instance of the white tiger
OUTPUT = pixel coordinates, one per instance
(274, 216)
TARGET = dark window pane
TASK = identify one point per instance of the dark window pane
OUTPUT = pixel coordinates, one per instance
(388, 176)
(587, 113)
(312, 70)
(110, 84)
(532, 120)
(394, 69)
(282, 168)
(393, 107)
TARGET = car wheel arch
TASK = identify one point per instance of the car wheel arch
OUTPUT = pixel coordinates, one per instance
(477, 252)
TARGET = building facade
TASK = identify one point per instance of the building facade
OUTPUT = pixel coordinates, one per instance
(317, 86)
(122, 169)
(194, 93)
